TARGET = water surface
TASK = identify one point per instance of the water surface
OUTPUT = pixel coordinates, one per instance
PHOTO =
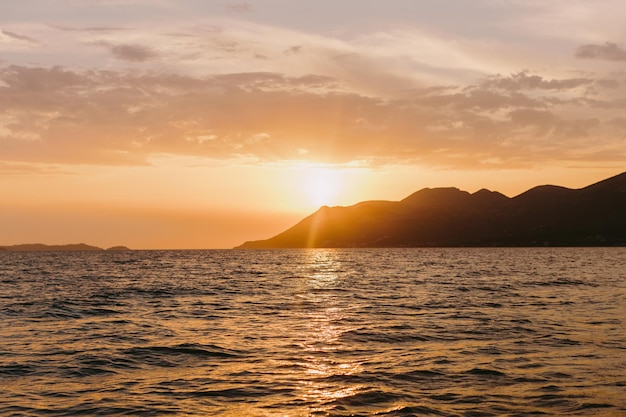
(388, 332)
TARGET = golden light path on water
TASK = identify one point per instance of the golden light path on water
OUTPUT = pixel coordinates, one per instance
(317, 337)
(322, 336)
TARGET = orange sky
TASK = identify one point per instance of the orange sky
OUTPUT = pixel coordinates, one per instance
(188, 124)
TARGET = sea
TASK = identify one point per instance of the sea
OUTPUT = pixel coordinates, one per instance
(314, 332)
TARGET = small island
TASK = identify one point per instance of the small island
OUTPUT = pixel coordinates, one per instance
(118, 249)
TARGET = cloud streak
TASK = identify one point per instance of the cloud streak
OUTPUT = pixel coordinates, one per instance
(18, 37)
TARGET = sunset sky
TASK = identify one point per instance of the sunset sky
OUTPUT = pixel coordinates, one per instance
(202, 124)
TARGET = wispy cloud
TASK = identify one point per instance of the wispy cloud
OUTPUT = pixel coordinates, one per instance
(93, 29)
(240, 7)
(131, 52)
(19, 37)
(524, 81)
(608, 51)
(21, 168)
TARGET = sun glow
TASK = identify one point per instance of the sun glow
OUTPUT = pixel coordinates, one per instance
(322, 185)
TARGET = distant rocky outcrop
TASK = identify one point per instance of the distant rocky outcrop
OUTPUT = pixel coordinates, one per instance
(447, 217)
(39, 247)
(118, 249)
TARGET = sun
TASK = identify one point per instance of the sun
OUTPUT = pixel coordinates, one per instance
(322, 185)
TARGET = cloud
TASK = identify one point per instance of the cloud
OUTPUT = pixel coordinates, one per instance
(525, 117)
(131, 52)
(293, 50)
(608, 51)
(92, 29)
(240, 7)
(19, 168)
(381, 62)
(55, 115)
(19, 37)
(523, 81)
(28, 81)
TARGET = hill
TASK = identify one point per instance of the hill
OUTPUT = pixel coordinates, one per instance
(446, 217)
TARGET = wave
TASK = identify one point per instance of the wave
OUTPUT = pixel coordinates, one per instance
(482, 332)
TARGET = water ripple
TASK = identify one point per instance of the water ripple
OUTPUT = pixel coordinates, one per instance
(415, 332)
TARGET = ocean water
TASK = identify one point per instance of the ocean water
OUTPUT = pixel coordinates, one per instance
(368, 332)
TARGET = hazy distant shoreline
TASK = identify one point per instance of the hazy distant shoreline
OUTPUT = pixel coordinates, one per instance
(39, 247)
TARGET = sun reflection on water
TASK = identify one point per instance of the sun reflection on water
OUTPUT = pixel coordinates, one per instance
(325, 324)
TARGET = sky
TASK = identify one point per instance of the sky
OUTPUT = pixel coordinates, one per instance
(166, 124)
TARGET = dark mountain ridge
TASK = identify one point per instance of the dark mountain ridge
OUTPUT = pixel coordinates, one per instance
(546, 215)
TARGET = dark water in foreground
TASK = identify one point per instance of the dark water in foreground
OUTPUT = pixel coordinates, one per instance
(432, 332)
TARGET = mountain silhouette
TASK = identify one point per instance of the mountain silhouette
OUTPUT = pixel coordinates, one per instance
(546, 215)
